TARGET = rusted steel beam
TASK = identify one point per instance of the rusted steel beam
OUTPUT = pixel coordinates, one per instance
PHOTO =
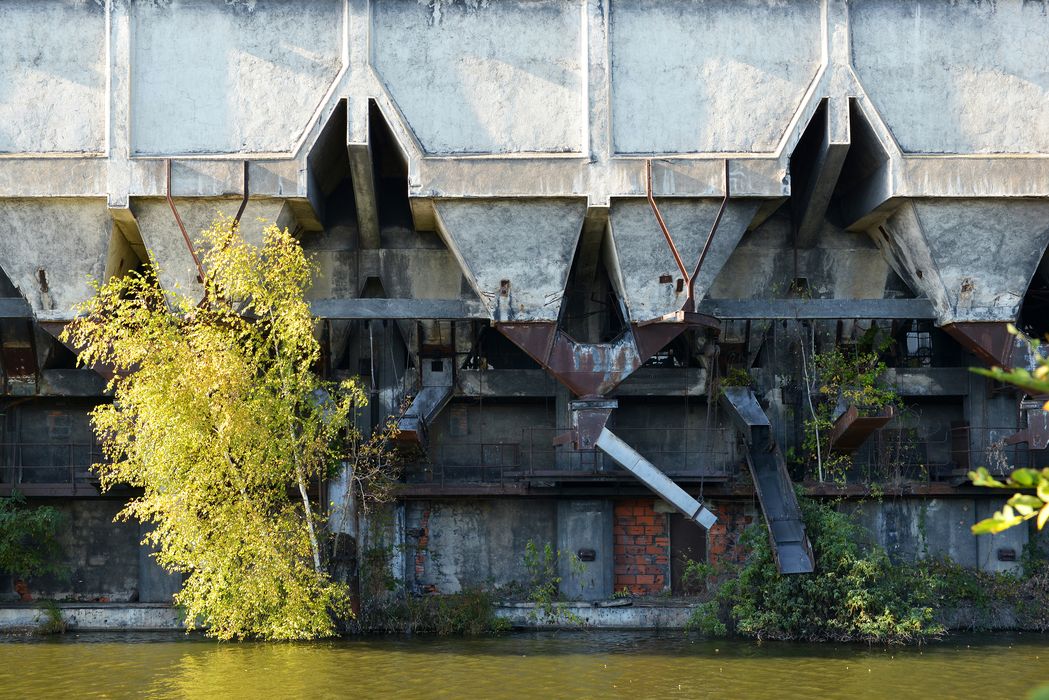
(181, 225)
(690, 279)
(661, 222)
(244, 200)
(590, 369)
(851, 430)
(690, 303)
(991, 342)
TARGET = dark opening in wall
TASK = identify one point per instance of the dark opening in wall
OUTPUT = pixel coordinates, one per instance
(1034, 309)
(391, 174)
(495, 351)
(591, 311)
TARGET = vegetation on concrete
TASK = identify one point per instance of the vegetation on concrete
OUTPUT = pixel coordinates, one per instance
(470, 612)
(858, 595)
(29, 543)
(544, 584)
(53, 622)
(842, 377)
(219, 417)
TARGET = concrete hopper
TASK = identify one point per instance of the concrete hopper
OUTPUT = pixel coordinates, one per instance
(515, 253)
(162, 236)
(974, 259)
(52, 249)
(648, 278)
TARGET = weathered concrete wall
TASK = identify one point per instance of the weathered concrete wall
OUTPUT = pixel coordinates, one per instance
(481, 542)
(709, 77)
(241, 77)
(765, 263)
(480, 77)
(81, 617)
(957, 77)
(101, 557)
(53, 60)
(910, 529)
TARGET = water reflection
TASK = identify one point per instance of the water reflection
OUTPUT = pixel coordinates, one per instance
(542, 665)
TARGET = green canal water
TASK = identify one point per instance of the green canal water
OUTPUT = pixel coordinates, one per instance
(539, 665)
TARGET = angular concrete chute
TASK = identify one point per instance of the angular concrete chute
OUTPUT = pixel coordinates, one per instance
(51, 249)
(863, 193)
(815, 166)
(515, 253)
(164, 241)
(327, 162)
(779, 503)
(973, 258)
(660, 484)
(126, 249)
(652, 283)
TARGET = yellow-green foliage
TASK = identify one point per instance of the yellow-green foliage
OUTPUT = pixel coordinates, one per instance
(219, 418)
(1022, 506)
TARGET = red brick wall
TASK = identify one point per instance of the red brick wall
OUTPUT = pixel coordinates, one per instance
(420, 551)
(642, 547)
(723, 539)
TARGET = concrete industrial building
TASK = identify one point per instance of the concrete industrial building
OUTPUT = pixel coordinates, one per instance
(557, 224)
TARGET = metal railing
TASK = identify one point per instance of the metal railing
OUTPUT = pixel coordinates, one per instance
(678, 452)
(48, 463)
(894, 454)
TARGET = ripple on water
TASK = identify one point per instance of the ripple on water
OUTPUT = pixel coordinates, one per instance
(541, 665)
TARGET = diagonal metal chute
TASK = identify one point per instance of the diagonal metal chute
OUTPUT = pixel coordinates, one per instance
(432, 397)
(647, 473)
(779, 503)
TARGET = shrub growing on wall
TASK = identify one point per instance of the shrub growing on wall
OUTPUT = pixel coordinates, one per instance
(28, 542)
(855, 593)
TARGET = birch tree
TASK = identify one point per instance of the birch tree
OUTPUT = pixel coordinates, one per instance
(219, 417)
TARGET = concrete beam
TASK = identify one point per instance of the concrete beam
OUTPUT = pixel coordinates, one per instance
(15, 307)
(571, 176)
(362, 172)
(71, 382)
(535, 383)
(53, 177)
(817, 308)
(813, 196)
(408, 309)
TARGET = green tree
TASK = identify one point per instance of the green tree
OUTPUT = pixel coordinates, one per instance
(1021, 506)
(28, 537)
(219, 417)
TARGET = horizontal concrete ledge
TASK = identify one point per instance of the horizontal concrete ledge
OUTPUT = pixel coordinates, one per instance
(626, 614)
(15, 307)
(622, 176)
(408, 309)
(757, 309)
(631, 616)
(89, 617)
